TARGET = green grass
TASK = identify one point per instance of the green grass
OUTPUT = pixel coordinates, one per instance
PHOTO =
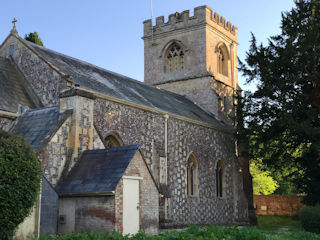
(278, 223)
(283, 228)
(269, 228)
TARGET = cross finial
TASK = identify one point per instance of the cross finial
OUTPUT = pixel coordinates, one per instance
(14, 22)
(14, 30)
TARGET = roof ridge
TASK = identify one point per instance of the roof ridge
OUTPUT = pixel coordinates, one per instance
(42, 108)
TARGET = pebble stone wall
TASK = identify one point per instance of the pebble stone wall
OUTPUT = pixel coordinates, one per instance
(5, 122)
(136, 126)
(54, 155)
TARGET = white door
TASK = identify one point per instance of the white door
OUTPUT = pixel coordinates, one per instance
(130, 206)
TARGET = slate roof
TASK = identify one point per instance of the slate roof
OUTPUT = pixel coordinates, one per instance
(12, 92)
(106, 82)
(97, 171)
(35, 125)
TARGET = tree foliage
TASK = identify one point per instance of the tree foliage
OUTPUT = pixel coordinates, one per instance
(33, 37)
(20, 175)
(262, 182)
(282, 117)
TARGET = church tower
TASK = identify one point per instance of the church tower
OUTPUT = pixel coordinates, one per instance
(194, 56)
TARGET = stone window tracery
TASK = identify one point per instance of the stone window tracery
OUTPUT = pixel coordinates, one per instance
(174, 60)
(112, 140)
(222, 61)
(220, 179)
(192, 172)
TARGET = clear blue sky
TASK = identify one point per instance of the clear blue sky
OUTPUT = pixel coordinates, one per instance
(108, 33)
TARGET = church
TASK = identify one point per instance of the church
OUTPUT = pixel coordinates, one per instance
(120, 154)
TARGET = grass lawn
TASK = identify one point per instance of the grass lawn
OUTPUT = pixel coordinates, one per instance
(269, 228)
(283, 228)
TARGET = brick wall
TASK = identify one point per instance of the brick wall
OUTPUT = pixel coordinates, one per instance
(277, 204)
(83, 214)
(148, 197)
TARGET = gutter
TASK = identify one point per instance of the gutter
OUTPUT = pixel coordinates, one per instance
(10, 115)
(80, 194)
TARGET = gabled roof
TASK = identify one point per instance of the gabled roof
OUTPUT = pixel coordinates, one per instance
(39, 125)
(97, 171)
(102, 81)
(12, 92)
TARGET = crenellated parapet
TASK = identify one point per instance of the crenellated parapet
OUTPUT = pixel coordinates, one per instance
(202, 15)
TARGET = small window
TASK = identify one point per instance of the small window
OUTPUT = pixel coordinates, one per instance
(220, 179)
(174, 60)
(192, 172)
(112, 140)
(11, 49)
(223, 60)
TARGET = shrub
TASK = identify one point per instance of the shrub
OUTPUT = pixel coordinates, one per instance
(20, 175)
(310, 219)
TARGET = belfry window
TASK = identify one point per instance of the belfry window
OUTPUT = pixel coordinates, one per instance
(112, 140)
(222, 61)
(192, 172)
(220, 179)
(174, 60)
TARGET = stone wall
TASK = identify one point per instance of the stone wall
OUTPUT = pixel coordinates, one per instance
(54, 156)
(278, 204)
(44, 80)
(198, 35)
(136, 126)
(198, 90)
(214, 96)
(82, 214)
(5, 122)
(133, 125)
(208, 146)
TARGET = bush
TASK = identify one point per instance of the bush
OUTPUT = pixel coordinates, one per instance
(20, 175)
(310, 219)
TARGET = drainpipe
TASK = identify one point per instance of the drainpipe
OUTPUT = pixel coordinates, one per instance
(166, 117)
(166, 204)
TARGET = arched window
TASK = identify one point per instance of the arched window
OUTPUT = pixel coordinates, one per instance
(192, 172)
(220, 179)
(112, 140)
(222, 60)
(174, 58)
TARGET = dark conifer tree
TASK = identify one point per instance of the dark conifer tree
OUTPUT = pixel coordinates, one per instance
(282, 117)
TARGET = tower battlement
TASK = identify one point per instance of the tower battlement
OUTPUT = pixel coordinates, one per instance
(202, 15)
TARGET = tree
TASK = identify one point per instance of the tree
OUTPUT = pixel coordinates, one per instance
(262, 182)
(20, 175)
(282, 117)
(33, 37)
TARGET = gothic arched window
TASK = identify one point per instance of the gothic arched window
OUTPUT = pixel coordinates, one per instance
(112, 140)
(220, 179)
(174, 58)
(192, 172)
(222, 60)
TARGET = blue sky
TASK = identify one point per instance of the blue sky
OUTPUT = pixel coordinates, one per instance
(108, 33)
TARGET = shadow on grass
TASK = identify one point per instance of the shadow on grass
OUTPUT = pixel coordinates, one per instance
(278, 223)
